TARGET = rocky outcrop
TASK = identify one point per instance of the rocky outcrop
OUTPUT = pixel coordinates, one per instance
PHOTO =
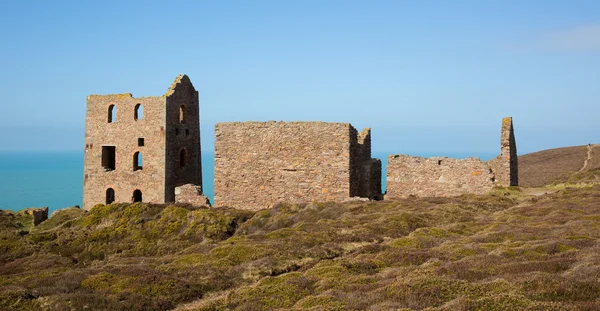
(191, 194)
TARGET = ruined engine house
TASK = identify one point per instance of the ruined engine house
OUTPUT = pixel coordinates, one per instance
(141, 149)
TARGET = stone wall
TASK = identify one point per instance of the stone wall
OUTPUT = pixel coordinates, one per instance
(450, 177)
(506, 166)
(123, 134)
(365, 172)
(259, 164)
(155, 132)
(436, 177)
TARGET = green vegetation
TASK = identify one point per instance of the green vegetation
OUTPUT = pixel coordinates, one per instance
(503, 251)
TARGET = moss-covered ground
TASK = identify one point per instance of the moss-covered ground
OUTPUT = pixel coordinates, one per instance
(502, 251)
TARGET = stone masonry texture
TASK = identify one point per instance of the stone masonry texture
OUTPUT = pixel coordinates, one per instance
(166, 134)
(436, 177)
(443, 177)
(260, 164)
(191, 194)
(506, 166)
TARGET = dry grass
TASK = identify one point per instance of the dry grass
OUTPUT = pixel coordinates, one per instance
(545, 167)
(503, 251)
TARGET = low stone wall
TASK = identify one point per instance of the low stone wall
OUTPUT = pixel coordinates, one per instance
(436, 177)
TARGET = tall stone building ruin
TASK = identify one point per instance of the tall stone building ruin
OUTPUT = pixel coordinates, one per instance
(260, 164)
(443, 177)
(141, 149)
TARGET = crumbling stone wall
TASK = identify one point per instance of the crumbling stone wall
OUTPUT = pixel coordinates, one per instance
(506, 166)
(259, 164)
(442, 177)
(39, 214)
(365, 172)
(158, 134)
(191, 194)
(436, 177)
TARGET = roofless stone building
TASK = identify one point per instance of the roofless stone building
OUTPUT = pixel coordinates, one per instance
(443, 177)
(260, 164)
(141, 149)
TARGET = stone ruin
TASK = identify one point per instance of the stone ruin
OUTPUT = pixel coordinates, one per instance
(38, 214)
(257, 164)
(141, 149)
(191, 194)
(506, 165)
(260, 164)
(443, 177)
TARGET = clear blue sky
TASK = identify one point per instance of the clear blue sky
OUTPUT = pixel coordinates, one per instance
(426, 76)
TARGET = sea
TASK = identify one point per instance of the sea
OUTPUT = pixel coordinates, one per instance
(55, 179)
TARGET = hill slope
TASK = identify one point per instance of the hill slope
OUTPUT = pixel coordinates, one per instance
(569, 164)
(503, 251)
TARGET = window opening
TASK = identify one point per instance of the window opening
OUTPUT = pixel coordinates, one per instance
(137, 196)
(182, 158)
(176, 132)
(138, 114)
(108, 158)
(112, 114)
(141, 142)
(182, 113)
(110, 195)
(187, 132)
(137, 161)
(439, 162)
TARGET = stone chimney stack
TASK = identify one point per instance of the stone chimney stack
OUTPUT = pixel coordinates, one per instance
(505, 166)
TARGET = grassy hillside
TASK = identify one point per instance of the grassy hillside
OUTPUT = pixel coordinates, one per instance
(561, 165)
(503, 251)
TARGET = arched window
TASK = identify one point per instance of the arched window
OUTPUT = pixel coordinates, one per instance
(112, 114)
(182, 158)
(110, 195)
(182, 113)
(138, 113)
(137, 196)
(137, 161)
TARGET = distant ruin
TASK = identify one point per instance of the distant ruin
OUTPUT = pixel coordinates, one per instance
(443, 177)
(260, 164)
(140, 149)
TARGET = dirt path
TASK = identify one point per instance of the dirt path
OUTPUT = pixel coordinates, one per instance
(589, 157)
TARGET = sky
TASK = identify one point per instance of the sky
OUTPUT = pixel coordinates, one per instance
(425, 76)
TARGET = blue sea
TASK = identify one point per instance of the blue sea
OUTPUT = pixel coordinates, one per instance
(55, 179)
